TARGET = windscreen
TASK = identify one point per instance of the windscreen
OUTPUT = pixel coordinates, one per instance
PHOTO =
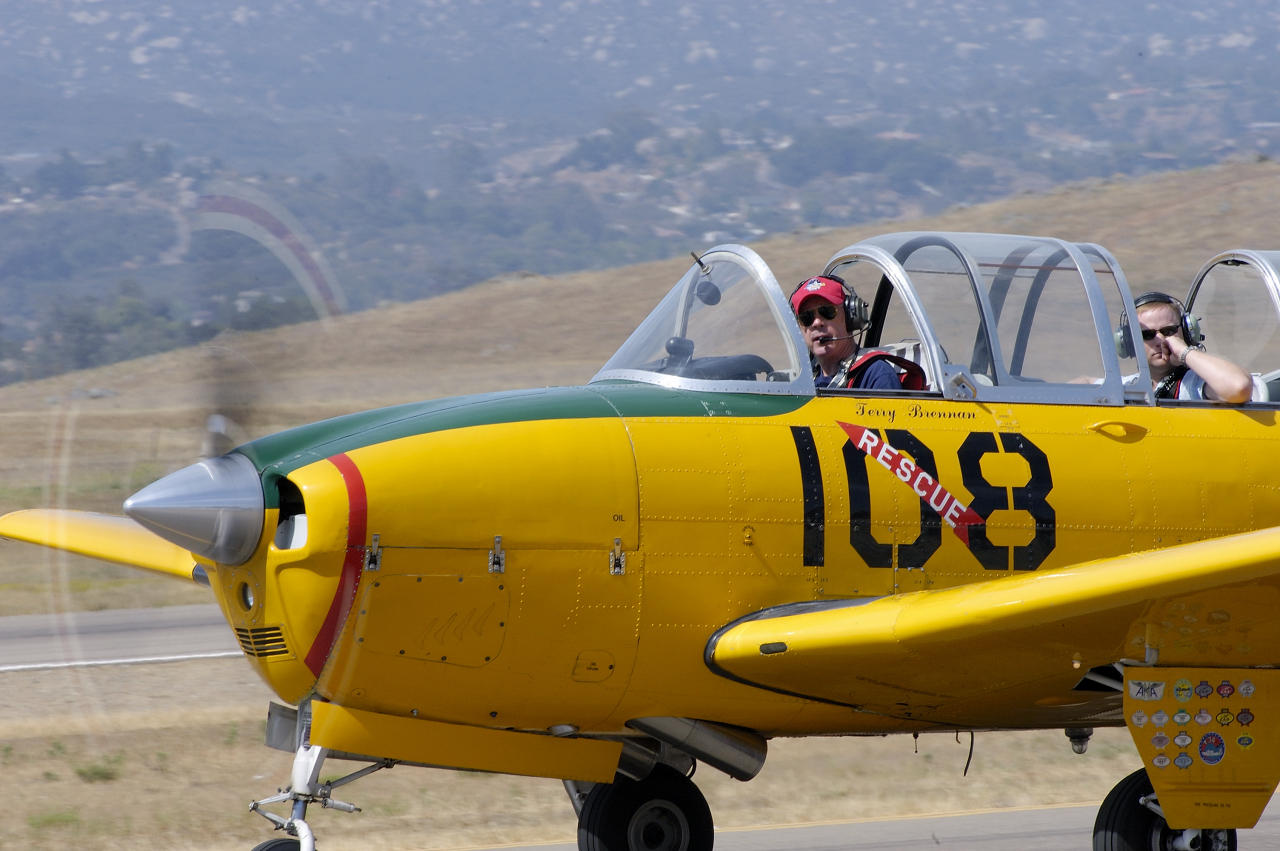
(725, 325)
(1237, 317)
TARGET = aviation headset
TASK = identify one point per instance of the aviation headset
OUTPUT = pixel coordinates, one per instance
(1190, 325)
(856, 312)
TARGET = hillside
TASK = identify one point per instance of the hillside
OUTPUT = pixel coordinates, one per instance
(88, 439)
(1160, 227)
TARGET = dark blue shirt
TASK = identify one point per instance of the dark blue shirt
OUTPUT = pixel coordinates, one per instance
(877, 375)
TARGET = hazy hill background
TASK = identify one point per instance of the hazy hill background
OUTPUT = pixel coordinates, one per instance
(431, 144)
(525, 329)
(297, 81)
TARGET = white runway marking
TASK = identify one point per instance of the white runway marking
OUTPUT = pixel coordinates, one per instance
(136, 660)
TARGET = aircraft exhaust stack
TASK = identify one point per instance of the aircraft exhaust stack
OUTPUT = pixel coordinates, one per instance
(738, 753)
(212, 508)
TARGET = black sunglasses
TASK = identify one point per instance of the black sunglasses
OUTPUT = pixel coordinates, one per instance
(826, 311)
(1166, 332)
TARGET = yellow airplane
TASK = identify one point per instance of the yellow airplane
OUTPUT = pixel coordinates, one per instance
(697, 552)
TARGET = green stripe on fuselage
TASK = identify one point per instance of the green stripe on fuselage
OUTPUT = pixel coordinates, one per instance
(281, 453)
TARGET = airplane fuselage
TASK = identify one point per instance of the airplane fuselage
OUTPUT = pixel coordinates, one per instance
(470, 572)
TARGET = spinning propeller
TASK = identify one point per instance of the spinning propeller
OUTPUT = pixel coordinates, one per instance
(214, 507)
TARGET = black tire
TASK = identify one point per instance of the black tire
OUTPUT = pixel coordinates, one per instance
(663, 812)
(278, 845)
(1123, 824)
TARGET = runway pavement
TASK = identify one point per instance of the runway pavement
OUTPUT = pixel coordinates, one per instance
(1040, 829)
(114, 636)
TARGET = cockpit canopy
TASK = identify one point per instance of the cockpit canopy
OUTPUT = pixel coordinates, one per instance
(724, 327)
(989, 317)
(1236, 300)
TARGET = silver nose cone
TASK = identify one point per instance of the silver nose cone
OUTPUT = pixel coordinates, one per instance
(212, 508)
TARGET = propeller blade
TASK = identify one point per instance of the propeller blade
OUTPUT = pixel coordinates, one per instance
(221, 435)
(233, 388)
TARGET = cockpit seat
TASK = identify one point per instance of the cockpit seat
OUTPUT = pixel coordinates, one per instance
(910, 373)
(906, 357)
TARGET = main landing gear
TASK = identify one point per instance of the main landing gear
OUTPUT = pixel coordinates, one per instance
(1130, 819)
(665, 811)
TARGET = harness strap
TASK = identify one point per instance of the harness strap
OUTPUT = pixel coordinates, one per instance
(910, 373)
(1170, 385)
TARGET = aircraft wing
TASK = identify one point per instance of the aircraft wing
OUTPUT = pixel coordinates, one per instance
(1013, 651)
(104, 536)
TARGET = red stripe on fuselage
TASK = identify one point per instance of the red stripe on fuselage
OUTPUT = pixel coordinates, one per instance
(352, 565)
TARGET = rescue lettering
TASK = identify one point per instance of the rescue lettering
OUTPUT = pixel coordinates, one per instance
(956, 514)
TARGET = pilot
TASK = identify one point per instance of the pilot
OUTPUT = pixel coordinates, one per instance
(1180, 367)
(830, 313)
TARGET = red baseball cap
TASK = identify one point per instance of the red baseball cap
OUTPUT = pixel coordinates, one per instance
(820, 286)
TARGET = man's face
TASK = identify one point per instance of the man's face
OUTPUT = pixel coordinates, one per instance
(823, 333)
(1159, 318)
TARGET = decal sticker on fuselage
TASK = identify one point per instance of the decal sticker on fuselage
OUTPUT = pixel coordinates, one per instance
(1147, 690)
(1212, 748)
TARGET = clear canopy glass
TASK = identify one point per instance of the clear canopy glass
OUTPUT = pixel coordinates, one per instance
(987, 317)
(724, 327)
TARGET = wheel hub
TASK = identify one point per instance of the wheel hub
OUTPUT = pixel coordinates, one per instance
(658, 826)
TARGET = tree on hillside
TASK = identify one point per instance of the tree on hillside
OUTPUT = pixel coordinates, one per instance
(41, 260)
(136, 325)
(72, 337)
(462, 164)
(65, 178)
(615, 144)
(389, 196)
(143, 164)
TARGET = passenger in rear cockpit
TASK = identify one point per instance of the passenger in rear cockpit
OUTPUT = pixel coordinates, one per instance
(1179, 365)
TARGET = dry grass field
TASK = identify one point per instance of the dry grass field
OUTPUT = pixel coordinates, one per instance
(167, 756)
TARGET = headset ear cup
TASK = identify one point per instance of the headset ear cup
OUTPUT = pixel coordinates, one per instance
(1124, 342)
(855, 312)
(1191, 333)
(1124, 339)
